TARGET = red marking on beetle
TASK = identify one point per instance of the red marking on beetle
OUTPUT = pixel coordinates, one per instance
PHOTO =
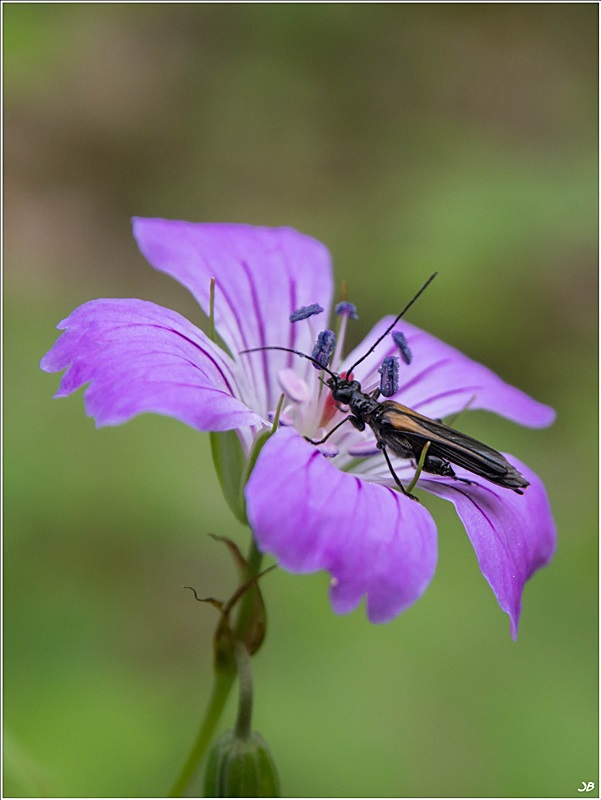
(331, 406)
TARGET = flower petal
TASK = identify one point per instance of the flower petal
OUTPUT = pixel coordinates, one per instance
(441, 380)
(138, 356)
(262, 276)
(311, 516)
(513, 535)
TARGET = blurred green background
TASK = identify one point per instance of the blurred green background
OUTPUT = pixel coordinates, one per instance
(408, 138)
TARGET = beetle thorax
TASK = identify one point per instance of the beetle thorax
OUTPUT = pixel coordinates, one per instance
(349, 394)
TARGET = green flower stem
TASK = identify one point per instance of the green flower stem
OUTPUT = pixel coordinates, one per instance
(245, 701)
(247, 602)
(222, 685)
(221, 689)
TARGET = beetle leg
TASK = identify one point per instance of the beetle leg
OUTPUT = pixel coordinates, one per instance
(397, 480)
(440, 466)
(350, 417)
(356, 423)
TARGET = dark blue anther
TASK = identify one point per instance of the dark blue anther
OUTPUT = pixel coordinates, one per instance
(389, 380)
(401, 343)
(346, 309)
(324, 347)
(304, 312)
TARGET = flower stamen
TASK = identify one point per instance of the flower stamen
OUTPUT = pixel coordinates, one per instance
(304, 312)
(346, 309)
(389, 371)
(328, 450)
(404, 349)
(324, 347)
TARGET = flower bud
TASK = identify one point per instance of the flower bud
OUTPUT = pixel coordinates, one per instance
(240, 767)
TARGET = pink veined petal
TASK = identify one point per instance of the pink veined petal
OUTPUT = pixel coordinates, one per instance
(311, 516)
(441, 380)
(513, 535)
(137, 357)
(262, 276)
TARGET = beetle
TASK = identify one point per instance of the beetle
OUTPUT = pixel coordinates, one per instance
(405, 433)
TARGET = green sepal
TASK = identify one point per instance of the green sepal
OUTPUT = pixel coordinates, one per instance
(230, 463)
(241, 767)
(260, 442)
(233, 468)
(250, 630)
(258, 445)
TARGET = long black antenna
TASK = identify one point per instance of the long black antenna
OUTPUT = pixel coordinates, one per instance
(296, 353)
(390, 327)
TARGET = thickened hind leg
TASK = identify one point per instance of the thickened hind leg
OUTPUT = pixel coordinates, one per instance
(440, 466)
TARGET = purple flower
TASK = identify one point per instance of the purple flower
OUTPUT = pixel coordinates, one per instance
(338, 513)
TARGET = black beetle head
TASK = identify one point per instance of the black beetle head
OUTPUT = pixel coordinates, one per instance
(343, 389)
